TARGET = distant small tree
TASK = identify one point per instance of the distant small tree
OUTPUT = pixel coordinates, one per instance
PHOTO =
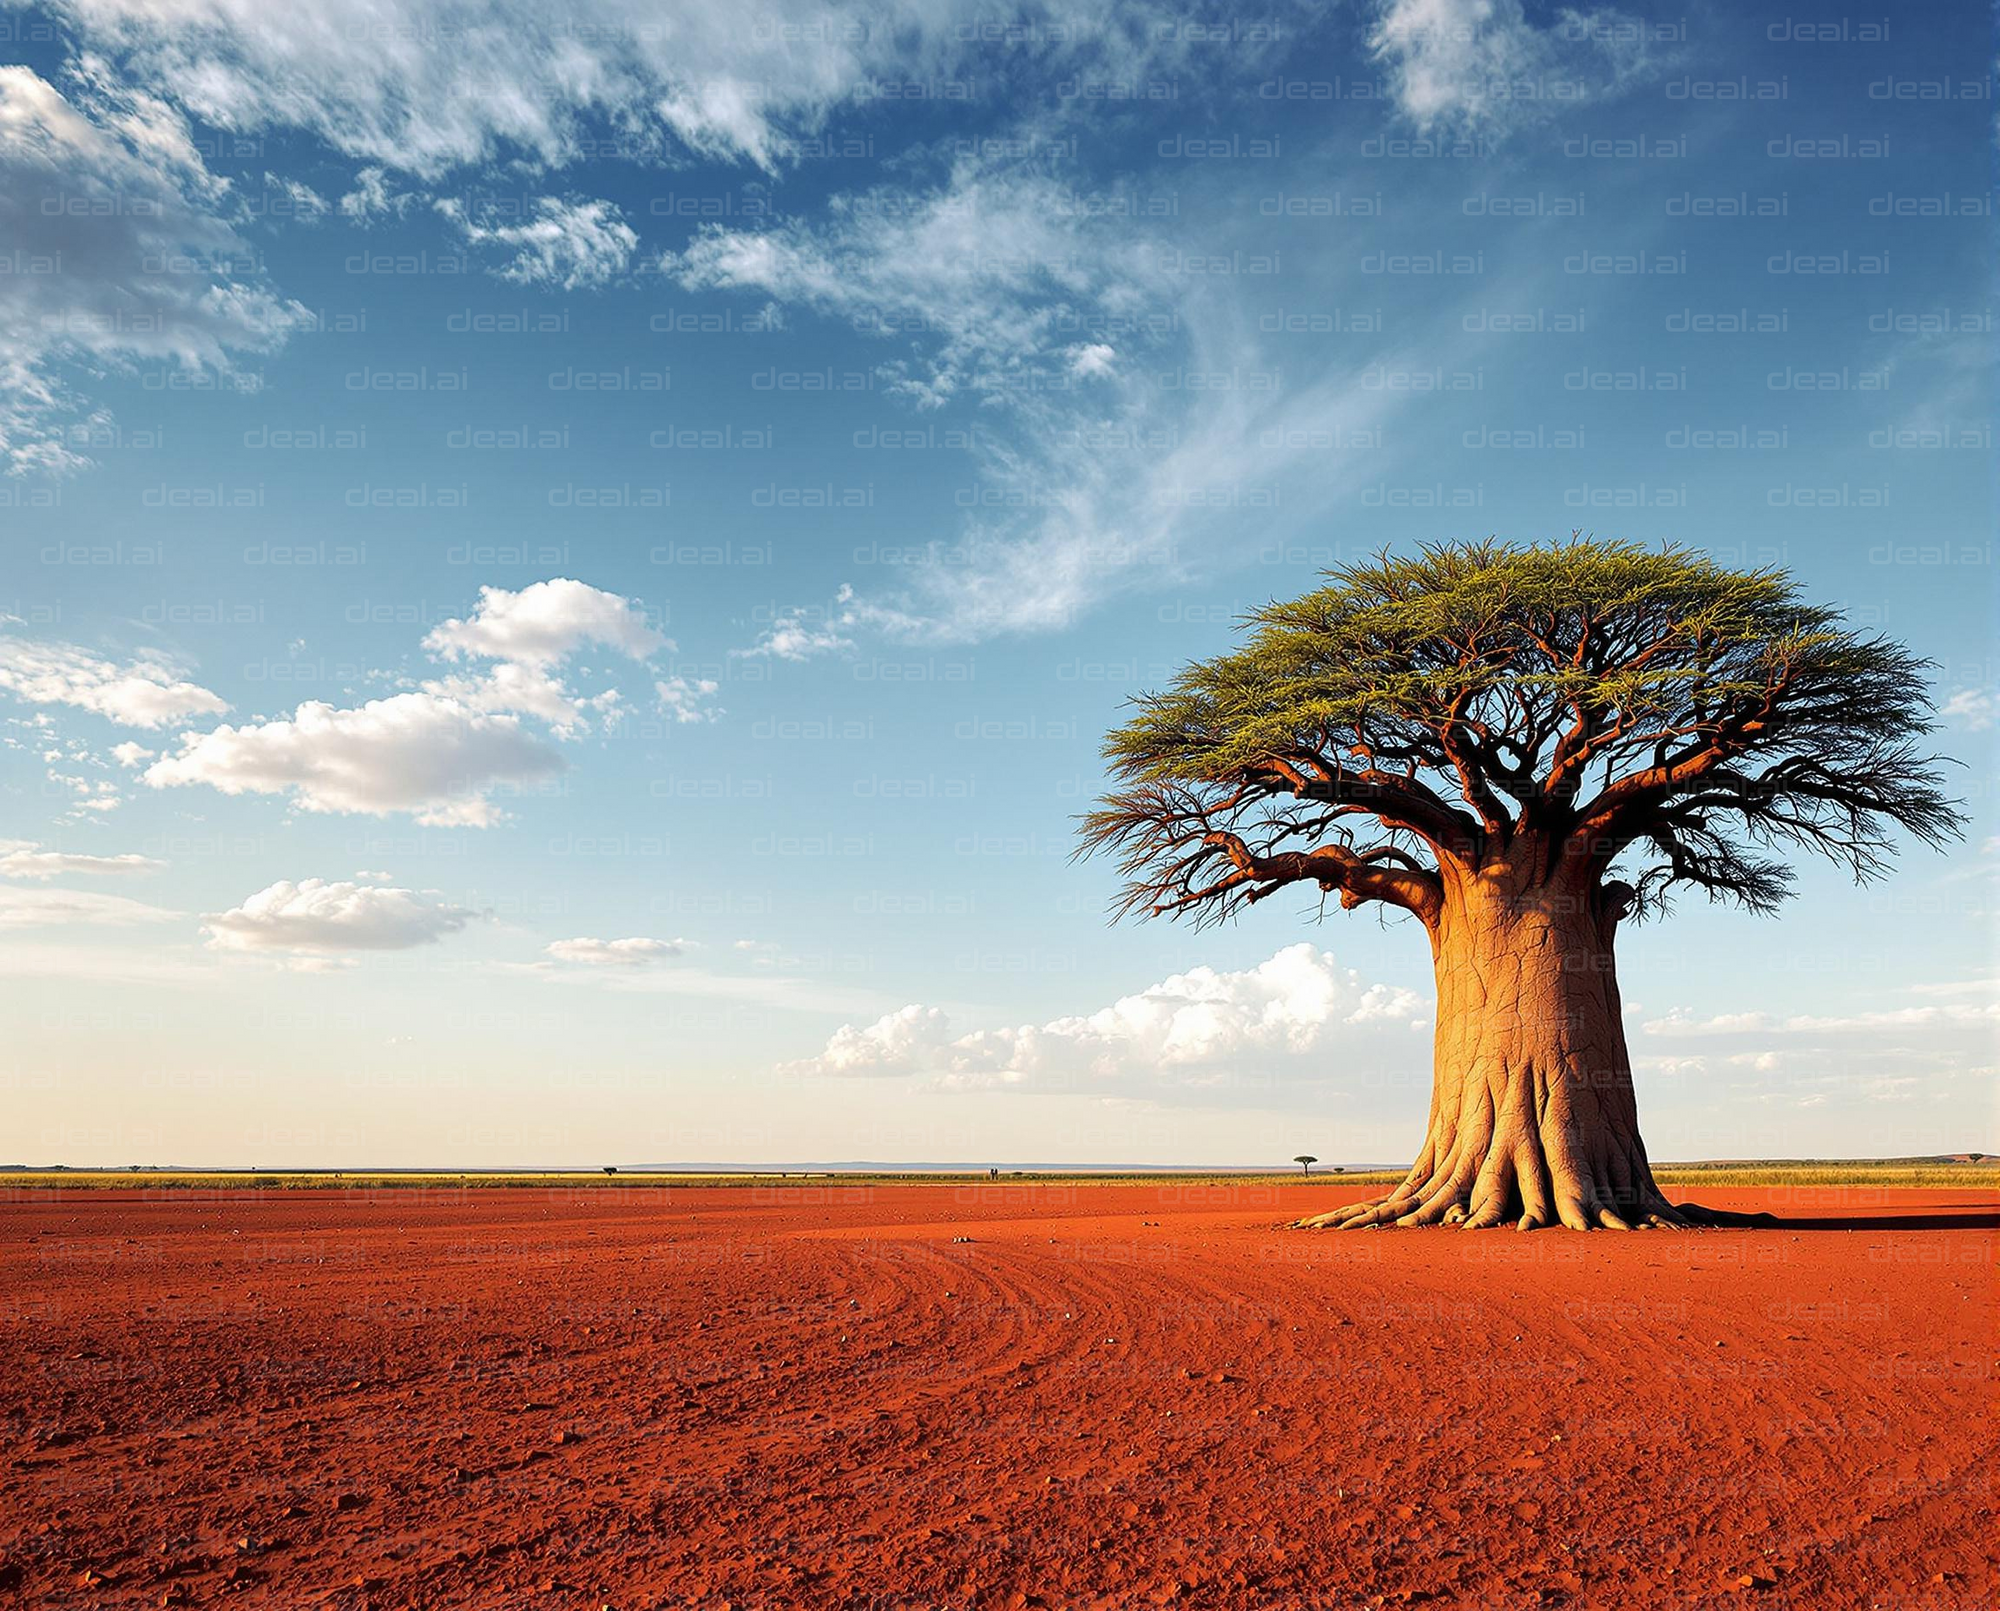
(611, 1169)
(1305, 1161)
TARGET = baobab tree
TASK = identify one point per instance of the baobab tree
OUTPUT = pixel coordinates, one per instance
(1523, 748)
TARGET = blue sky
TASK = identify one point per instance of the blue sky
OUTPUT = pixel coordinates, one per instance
(563, 588)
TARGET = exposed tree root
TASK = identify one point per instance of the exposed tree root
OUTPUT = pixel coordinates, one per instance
(1529, 1153)
(1403, 1207)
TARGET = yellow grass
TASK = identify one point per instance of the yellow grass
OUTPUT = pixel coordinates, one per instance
(1889, 1172)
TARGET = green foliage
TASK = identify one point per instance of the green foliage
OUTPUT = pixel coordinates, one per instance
(1452, 701)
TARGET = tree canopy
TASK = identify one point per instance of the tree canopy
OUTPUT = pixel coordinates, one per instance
(1647, 716)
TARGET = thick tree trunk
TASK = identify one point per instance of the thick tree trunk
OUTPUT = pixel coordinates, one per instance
(1532, 1118)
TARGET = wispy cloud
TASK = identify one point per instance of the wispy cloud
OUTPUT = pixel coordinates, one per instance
(1822, 1026)
(145, 692)
(1130, 412)
(425, 86)
(801, 633)
(30, 861)
(634, 952)
(1481, 68)
(686, 700)
(39, 908)
(565, 246)
(118, 252)
(1972, 708)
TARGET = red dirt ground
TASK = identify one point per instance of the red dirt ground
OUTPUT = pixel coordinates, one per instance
(987, 1395)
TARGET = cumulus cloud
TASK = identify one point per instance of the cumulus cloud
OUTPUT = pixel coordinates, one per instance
(39, 908)
(1092, 358)
(440, 750)
(544, 623)
(30, 861)
(315, 917)
(527, 691)
(1480, 67)
(148, 692)
(532, 632)
(565, 244)
(119, 254)
(1185, 1031)
(629, 953)
(432, 756)
(906, 1041)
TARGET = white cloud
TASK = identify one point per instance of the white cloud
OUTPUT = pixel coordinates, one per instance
(800, 634)
(439, 751)
(119, 254)
(316, 917)
(1092, 358)
(1821, 1026)
(28, 861)
(37, 908)
(291, 198)
(566, 244)
(544, 623)
(144, 693)
(630, 953)
(1988, 986)
(906, 1041)
(90, 794)
(991, 265)
(1975, 708)
(685, 699)
(148, 963)
(423, 86)
(1479, 66)
(1100, 468)
(371, 198)
(527, 691)
(708, 988)
(1183, 1031)
(530, 633)
(129, 754)
(435, 757)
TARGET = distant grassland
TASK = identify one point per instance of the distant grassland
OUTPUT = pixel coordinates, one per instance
(1834, 1172)
(1886, 1172)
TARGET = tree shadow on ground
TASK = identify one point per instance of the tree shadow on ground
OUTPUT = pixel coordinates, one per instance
(1950, 1217)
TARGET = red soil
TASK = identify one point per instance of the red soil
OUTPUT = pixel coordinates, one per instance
(987, 1395)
